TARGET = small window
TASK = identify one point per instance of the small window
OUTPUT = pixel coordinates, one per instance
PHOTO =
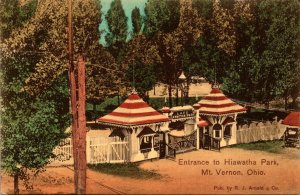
(147, 139)
(217, 134)
(146, 143)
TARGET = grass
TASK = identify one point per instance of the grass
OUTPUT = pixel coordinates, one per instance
(274, 146)
(124, 170)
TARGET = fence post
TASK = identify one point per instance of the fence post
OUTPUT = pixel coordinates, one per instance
(197, 139)
(88, 149)
(108, 151)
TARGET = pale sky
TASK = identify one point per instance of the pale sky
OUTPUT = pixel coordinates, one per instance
(128, 6)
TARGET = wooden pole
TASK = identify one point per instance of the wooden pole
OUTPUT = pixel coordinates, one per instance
(81, 127)
(72, 83)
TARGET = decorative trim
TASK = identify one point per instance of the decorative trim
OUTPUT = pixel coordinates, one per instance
(129, 126)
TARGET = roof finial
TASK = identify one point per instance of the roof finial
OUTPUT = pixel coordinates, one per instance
(133, 91)
(215, 85)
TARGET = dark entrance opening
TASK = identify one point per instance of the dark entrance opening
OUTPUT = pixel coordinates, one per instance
(162, 144)
(207, 141)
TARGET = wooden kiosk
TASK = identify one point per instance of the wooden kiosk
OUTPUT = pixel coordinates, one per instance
(220, 112)
(140, 124)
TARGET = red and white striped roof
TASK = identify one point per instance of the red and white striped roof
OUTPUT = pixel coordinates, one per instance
(133, 112)
(216, 104)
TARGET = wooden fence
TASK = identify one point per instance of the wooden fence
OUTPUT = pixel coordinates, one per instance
(98, 150)
(257, 131)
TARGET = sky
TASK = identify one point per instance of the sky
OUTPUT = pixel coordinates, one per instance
(128, 6)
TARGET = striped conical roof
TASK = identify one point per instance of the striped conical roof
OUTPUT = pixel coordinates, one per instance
(216, 104)
(133, 112)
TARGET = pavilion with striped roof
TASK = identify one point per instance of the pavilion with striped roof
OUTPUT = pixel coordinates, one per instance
(140, 122)
(220, 112)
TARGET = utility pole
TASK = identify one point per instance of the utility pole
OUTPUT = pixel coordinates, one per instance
(78, 126)
(81, 127)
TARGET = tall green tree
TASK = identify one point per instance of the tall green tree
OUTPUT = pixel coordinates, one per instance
(137, 20)
(185, 27)
(48, 27)
(266, 65)
(117, 29)
(161, 16)
(281, 55)
(34, 87)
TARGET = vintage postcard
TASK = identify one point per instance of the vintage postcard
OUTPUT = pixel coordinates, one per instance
(150, 97)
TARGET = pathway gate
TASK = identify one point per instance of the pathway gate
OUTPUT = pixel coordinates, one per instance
(183, 143)
(98, 150)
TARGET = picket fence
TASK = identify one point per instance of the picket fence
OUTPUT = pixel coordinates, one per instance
(98, 150)
(258, 131)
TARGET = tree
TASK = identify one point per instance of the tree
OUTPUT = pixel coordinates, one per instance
(31, 126)
(103, 77)
(118, 29)
(266, 65)
(137, 20)
(185, 27)
(34, 83)
(282, 48)
(47, 26)
(140, 61)
(161, 16)
(143, 77)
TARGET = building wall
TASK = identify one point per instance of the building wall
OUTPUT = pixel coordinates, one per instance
(136, 154)
(219, 120)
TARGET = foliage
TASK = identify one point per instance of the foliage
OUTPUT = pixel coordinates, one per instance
(137, 20)
(186, 27)
(118, 29)
(143, 77)
(12, 15)
(102, 67)
(266, 65)
(31, 126)
(125, 170)
(161, 16)
(45, 35)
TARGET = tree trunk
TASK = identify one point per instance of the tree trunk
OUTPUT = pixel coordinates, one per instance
(294, 103)
(154, 90)
(177, 96)
(267, 105)
(16, 183)
(72, 84)
(285, 101)
(170, 95)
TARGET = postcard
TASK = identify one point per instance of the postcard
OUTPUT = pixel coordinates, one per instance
(150, 97)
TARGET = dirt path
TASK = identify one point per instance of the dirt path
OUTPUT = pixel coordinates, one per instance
(182, 179)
